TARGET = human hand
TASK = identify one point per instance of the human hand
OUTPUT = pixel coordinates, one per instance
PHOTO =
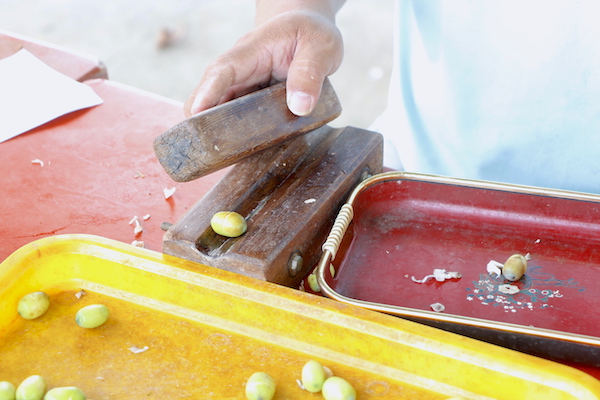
(302, 47)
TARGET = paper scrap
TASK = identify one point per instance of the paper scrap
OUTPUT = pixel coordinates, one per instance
(33, 93)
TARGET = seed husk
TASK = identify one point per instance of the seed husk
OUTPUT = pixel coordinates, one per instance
(7, 391)
(313, 376)
(336, 388)
(65, 393)
(33, 305)
(228, 223)
(260, 386)
(92, 316)
(514, 268)
(32, 388)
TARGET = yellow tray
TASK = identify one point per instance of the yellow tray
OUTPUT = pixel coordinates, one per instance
(207, 330)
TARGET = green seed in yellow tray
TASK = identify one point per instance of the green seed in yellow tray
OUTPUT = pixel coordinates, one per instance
(33, 305)
(65, 393)
(32, 388)
(92, 316)
(260, 386)
(7, 391)
(228, 223)
(336, 388)
(313, 376)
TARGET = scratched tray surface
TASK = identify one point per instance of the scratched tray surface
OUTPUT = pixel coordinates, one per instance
(407, 228)
(203, 331)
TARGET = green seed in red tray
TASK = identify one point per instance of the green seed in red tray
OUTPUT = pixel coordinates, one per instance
(33, 305)
(228, 223)
(32, 388)
(260, 386)
(336, 388)
(514, 268)
(65, 393)
(7, 391)
(92, 316)
(313, 376)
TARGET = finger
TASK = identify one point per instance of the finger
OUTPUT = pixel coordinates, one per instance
(239, 71)
(308, 70)
(217, 79)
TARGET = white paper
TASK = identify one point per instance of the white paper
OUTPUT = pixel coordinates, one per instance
(32, 93)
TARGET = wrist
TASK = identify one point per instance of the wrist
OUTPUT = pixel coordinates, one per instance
(267, 9)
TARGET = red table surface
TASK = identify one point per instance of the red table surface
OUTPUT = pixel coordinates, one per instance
(73, 64)
(99, 172)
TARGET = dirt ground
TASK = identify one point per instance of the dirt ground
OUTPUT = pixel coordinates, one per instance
(125, 35)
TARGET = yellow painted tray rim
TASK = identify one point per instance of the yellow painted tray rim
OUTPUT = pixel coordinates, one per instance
(424, 356)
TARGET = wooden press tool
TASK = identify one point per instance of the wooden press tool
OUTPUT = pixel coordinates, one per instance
(291, 176)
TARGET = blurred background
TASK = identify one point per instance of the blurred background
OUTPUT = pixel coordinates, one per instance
(163, 46)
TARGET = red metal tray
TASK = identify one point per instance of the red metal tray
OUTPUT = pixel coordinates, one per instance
(406, 225)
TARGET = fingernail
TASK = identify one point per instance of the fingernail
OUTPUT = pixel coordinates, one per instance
(300, 103)
(196, 104)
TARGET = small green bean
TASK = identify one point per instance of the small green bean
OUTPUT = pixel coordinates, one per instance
(33, 305)
(7, 391)
(336, 388)
(313, 376)
(260, 386)
(92, 316)
(32, 388)
(65, 393)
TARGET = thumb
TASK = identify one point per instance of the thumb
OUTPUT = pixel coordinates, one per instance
(304, 82)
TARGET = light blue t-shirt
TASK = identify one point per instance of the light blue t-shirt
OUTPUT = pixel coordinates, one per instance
(504, 91)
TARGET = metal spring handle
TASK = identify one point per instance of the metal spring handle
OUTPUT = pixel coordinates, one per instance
(338, 230)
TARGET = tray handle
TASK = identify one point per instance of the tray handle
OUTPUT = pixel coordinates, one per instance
(338, 230)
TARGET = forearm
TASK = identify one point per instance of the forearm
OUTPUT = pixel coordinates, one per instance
(266, 9)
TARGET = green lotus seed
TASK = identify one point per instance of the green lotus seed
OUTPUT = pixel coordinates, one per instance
(260, 386)
(7, 391)
(33, 305)
(313, 283)
(313, 376)
(336, 388)
(92, 316)
(65, 393)
(230, 224)
(32, 388)
(514, 268)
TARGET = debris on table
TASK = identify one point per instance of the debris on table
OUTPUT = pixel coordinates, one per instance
(439, 275)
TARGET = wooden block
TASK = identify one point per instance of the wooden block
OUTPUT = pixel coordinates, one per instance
(230, 132)
(289, 196)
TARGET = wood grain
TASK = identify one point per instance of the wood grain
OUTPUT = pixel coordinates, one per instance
(228, 133)
(289, 196)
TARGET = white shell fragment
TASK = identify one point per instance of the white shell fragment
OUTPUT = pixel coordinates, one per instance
(439, 275)
(136, 350)
(494, 267)
(38, 161)
(169, 192)
(80, 293)
(509, 289)
(308, 201)
(138, 243)
(137, 229)
(437, 307)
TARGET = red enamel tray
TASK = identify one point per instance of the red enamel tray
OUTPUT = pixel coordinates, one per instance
(396, 226)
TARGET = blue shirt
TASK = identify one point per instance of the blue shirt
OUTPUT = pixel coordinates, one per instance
(497, 90)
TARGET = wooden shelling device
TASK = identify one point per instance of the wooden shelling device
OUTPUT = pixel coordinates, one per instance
(291, 176)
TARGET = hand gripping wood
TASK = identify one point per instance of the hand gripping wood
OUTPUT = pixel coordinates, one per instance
(230, 132)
